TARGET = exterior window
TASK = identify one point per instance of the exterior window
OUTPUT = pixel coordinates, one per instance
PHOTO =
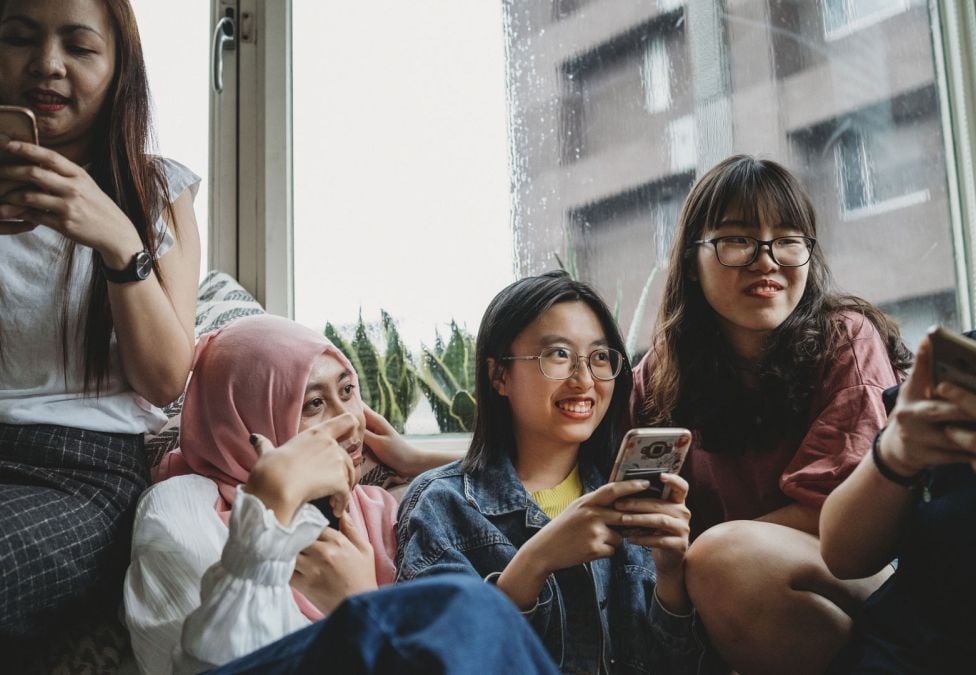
(871, 176)
(401, 191)
(605, 156)
(657, 76)
(180, 88)
(842, 17)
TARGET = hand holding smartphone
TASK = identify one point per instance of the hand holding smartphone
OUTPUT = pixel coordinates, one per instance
(325, 506)
(16, 124)
(646, 453)
(953, 358)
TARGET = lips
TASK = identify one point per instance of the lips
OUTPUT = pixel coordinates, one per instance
(355, 451)
(46, 100)
(764, 288)
(577, 407)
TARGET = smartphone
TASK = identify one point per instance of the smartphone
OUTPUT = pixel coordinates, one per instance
(953, 358)
(323, 505)
(17, 124)
(647, 453)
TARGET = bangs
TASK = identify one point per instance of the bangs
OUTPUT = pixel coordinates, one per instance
(760, 191)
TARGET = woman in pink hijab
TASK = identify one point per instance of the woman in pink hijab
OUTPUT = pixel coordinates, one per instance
(228, 555)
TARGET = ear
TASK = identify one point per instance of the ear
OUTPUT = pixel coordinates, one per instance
(497, 375)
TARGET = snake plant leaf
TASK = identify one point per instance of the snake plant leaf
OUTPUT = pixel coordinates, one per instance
(369, 360)
(463, 409)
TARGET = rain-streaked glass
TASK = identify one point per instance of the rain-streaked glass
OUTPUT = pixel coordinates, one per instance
(616, 108)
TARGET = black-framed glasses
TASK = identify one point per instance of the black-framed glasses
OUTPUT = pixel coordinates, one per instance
(740, 251)
(560, 363)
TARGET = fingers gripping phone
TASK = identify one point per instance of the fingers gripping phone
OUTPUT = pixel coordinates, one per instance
(16, 124)
(323, 505)
(953, 358)
(646, 453)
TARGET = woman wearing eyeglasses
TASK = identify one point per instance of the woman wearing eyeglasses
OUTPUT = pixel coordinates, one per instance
(781, 379)
(528, 508)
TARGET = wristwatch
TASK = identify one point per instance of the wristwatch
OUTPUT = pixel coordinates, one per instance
(138, 269)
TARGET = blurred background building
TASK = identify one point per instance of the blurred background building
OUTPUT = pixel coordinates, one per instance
(617, 106)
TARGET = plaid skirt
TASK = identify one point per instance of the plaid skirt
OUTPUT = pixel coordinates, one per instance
(67, 497)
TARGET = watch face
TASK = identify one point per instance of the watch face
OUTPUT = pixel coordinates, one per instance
(143, 264)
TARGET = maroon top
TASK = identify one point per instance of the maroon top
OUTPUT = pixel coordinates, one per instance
(845, 413)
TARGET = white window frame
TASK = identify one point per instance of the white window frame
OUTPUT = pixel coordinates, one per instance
(251, 214)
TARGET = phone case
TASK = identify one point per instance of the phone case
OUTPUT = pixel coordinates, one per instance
(18, 124)
(953, 358)
(647, 453)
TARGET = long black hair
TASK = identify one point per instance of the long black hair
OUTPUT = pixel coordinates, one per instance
(507, 316)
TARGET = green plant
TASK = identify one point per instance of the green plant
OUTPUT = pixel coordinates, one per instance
(446, 377)
(387, 381)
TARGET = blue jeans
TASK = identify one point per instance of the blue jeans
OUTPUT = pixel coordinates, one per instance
(447, 624)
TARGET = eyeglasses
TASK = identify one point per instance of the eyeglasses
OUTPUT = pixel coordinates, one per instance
(560, 363)
(740, 251)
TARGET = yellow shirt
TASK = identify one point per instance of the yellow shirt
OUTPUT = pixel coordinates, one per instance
(554, 500)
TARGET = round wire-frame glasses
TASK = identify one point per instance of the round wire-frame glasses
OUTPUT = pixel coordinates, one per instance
(561, 363)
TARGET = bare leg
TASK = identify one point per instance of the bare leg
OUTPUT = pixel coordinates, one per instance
(767, 600)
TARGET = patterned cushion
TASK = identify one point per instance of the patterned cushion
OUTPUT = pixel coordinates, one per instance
(220, 300)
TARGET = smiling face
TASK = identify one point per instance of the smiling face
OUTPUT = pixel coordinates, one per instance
(57, 57)
(754, 300)
(555, 415)
(331, 391)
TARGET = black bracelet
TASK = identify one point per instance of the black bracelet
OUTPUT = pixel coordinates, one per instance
(887, 471)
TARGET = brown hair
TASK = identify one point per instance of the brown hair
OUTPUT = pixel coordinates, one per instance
(693, 381)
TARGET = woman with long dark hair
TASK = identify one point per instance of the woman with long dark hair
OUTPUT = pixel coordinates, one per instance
(529, 509)
(100, 264)
(781, 380)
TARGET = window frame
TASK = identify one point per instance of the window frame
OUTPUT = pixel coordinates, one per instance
(251, 228)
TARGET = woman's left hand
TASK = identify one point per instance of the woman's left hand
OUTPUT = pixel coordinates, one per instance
(663, 526)
(389, 446)
(66, 198)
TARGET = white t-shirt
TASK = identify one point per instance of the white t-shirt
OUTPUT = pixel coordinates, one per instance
(34, 386)
(199, 594)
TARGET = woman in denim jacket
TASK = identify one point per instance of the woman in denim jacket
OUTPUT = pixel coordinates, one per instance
(597, 569)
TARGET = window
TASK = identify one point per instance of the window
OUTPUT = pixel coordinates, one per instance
(872, 175)
(180, 89)
(657, 76)
(842, 17)
(401, 197)
(571, 131)
(860, 122)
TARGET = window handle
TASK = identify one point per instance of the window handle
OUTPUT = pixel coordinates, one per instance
(223, 40)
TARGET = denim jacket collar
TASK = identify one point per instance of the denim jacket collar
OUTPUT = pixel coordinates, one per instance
(497, 490)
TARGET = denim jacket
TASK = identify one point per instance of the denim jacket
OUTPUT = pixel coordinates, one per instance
(602, 617)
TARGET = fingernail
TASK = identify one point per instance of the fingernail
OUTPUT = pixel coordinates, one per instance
(253, 439)
(644, 484)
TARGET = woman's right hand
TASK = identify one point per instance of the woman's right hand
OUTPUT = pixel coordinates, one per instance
(338, 565)
(927, 431)
(581, 533)
(312, 464)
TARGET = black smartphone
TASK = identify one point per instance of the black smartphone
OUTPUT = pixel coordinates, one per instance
(323, 505)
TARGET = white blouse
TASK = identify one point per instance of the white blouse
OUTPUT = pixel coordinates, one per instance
(37, 384)
(198, 594)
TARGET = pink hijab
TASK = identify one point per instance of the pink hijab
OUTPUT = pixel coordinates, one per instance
(250, 377)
